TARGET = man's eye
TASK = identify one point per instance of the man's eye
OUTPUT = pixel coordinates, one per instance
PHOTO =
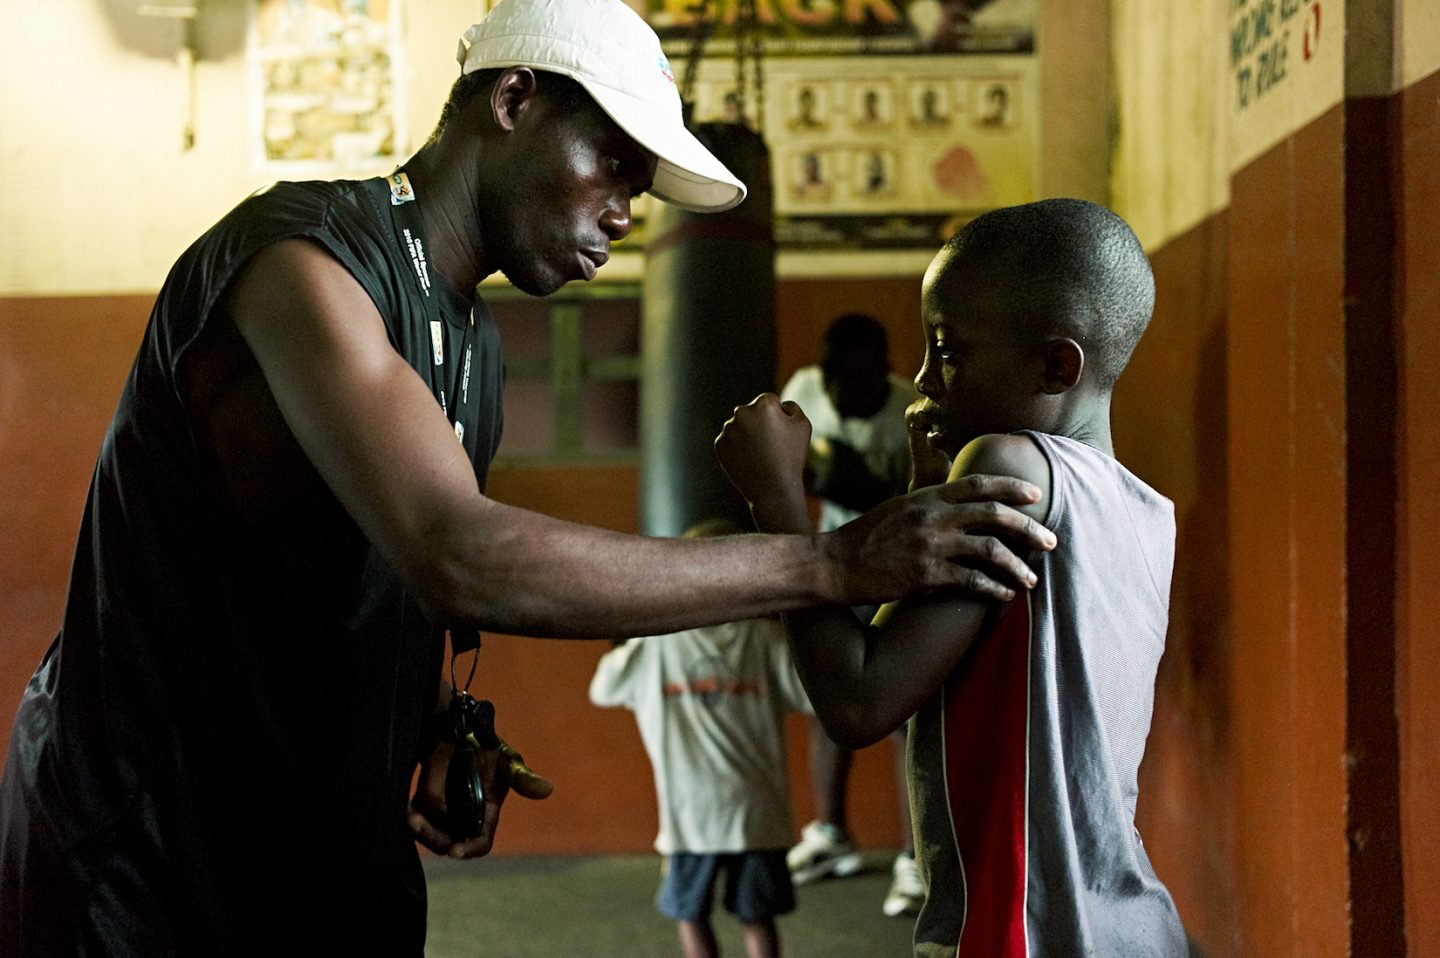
(613, 164)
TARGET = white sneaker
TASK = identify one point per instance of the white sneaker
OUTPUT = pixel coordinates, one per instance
(823, 852)
(907, 891)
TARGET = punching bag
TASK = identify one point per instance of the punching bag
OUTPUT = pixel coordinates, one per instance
(708, 340)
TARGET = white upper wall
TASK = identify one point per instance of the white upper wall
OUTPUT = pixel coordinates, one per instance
(1170, 167)
(1418, 23)
(101, 195)
(1204, 87)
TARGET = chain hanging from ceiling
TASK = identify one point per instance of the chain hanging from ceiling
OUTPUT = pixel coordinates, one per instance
(749, 56)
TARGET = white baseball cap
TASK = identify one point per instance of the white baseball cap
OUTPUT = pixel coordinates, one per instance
(611, 51)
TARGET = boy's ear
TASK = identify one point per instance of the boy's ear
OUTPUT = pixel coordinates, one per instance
(1064, 362)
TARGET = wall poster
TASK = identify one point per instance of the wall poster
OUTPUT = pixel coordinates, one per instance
(890, 122)
(325, 77)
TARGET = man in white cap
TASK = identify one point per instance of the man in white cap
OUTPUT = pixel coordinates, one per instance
(288, 513)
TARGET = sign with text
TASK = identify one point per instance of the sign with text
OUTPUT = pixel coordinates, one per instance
(1285, 66)
(831, 27)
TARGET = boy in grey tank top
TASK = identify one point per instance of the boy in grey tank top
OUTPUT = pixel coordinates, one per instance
(1029, 715)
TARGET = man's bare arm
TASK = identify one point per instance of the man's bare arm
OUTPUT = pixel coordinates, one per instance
(376, 435)
(865, 680)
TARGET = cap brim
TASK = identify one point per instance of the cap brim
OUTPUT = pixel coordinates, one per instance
(687, 174)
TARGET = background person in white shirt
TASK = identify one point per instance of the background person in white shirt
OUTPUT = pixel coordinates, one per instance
(859, 456)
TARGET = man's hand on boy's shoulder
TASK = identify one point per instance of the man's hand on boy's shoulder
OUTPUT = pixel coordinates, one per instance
(945, 536)
(966, 532)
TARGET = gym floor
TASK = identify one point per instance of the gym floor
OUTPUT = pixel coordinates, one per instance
(604, 907)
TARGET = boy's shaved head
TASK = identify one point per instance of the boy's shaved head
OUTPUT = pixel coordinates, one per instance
(1059, 267)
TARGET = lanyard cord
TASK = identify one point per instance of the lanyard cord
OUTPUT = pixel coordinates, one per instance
(405, 218)
(474, 662)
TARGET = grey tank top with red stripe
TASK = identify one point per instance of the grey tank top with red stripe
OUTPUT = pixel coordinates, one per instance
(1023, 767)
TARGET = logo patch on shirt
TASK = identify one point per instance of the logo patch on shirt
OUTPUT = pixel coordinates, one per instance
(665, 70)
(400, 189)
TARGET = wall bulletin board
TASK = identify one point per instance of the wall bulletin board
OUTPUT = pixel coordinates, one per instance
(324, 81)
(890, 122)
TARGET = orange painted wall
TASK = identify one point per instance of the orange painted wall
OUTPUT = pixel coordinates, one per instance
(63, 362)
(1259, 792)
(1416, 178)
(806, 307)
(1285, 367)
(1170, 426)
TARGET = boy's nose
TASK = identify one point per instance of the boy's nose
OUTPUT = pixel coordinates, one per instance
(922, 380)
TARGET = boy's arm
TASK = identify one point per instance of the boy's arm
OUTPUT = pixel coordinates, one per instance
(915, 644)
(865, 681)
(783, 676)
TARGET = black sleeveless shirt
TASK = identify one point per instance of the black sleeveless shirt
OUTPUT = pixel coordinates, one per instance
(222, 738)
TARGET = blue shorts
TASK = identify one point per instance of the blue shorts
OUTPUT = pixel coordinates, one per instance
(757, 885)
